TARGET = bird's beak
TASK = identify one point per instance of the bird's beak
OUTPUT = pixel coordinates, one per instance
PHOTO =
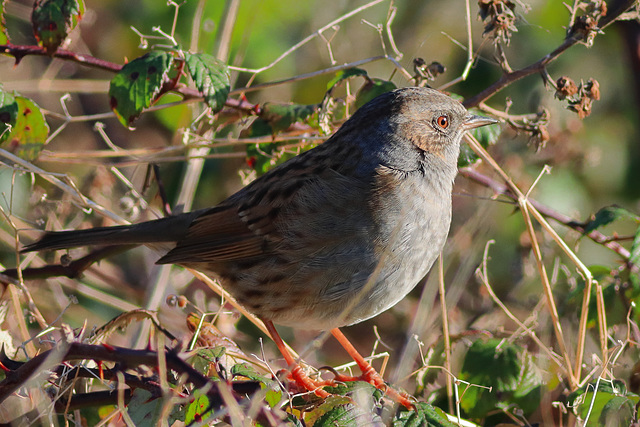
(472, 121)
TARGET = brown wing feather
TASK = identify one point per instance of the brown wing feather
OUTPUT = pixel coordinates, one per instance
(250, 224)
(216, 235)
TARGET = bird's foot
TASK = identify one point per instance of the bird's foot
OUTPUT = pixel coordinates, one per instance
(371, 376)
(299, 377)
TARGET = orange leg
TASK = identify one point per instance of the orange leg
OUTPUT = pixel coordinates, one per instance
(297, 374)
(369, 374)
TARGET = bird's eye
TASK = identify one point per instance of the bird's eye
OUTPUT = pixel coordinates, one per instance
(443, 122)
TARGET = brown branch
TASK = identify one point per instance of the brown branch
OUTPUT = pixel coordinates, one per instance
(100, 398)
(537, 67)
(71, 270)
(501, 189)
(20, 51)
(127, 358)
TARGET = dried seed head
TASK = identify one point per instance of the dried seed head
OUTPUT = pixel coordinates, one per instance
(565, 88)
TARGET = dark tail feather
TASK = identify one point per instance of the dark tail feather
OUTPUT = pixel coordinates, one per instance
(170, 229)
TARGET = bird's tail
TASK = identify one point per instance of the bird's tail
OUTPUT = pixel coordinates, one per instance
(169, 229)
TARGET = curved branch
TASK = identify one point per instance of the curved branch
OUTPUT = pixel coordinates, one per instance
(507, 78)
(20, 51)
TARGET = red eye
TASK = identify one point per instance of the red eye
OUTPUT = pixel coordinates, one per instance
(443, 122)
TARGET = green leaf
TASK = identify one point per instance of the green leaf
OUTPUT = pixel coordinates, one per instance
(606, 216)
(343, 75)
(351, 387)
(273, 397)
(281, 116)
(248, 371)
(143, 411)
(137, 85)
(348, 415)
(211, 77)
(504, 367)
(4, 36)
(53, 20)
(611, 405)
(8, 114)
(29, 134)
(198, 410)
(212, 354)
(486, 136)
(371, 89)
(339, 408)
(423, 415)
(204, 357)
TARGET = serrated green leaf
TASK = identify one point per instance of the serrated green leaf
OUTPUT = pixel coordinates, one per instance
(52, 20)
(351, 387)
(248, 371)
(29, 133)
(501, 366)
(371, 89)
(211, 77)
(137, 85)
(343, 75)
(611, 406)
(212, 354)
(423, 415)
(4, 36)
(322, 408)
(205, 357)
(348, 415)
(273, 397)
(8, 114)
(607, 215)
(198, 410)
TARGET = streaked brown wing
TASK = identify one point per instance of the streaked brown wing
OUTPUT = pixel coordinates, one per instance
(217, 235)
(266, 215)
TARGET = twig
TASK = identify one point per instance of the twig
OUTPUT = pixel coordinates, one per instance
(445, 331)
(124, 356)
(67, 188)
(595, 235)
(507, 78)
(20, 51)
(311, 37)
(527, 209)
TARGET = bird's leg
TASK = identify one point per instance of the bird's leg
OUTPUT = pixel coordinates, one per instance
(369, 374)
(297, 373)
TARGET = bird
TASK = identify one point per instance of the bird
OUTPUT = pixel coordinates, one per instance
(331, 237)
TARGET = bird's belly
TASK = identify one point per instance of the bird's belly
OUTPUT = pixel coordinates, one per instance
(380, 283)
(347, 285)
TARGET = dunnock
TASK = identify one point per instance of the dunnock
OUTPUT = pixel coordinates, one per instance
(333, 236)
